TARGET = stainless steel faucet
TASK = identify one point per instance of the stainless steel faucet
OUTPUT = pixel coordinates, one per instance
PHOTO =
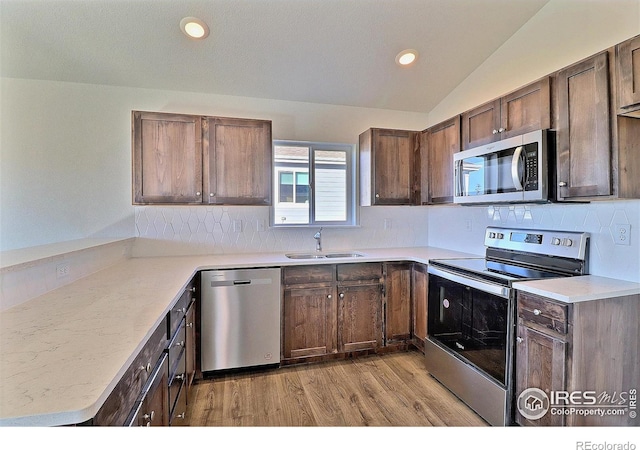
(318, 238)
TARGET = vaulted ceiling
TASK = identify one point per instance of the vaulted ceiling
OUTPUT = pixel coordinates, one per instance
(322, 51)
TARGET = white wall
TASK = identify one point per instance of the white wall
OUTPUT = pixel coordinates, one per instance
(562, 33)
(65, 150)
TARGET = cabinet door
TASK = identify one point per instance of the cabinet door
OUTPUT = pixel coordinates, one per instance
(190, 346)
(309, 322)
(443, 140)
(527, 109)
(583, 132)
(359, 317)
(628, 56)
(167, 158)
(386, 165)
(419, 291)
(154, 410)
(397, 302)
(540, 363)
(481, 125)
(237, 155)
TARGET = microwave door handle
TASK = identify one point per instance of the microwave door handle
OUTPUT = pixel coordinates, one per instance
(515, 162)
(459, 178)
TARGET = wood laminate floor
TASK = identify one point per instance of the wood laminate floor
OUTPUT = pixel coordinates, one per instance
(381, 390)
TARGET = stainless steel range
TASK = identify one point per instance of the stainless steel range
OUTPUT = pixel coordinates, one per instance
(471, 311)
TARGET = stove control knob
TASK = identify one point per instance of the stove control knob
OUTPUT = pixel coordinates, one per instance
(500, 236)
(555, 241)
(567, 243)
(492, 235)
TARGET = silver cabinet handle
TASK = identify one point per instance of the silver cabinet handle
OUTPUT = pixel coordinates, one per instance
(211, 194)
(495, 131)
(519, 340)
(181, 415)
(180, 377)
(198, 194)
(190, 325)
(179, 344)
(377, 195)
(193, 289)
(341, 295)
(329, 296)
(536, 312)
(562, 184)
(149, 416)
(146, 368)
(502, 130)
(181, 310)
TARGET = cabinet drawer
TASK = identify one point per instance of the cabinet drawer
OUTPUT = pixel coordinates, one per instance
(544, 312)
(176, 380)
(179, 412)
(308, 274)
(360, 272)
(178, 311)
(176, 347)
(124, 395)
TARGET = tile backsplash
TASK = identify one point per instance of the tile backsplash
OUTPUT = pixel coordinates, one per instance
(194, 230)
(191, 230)
(462, 228)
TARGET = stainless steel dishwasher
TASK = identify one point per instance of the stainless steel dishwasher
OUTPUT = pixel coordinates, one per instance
(240, 318)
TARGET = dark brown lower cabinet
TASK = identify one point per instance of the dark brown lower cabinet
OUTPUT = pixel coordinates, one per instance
(397, 304)
(359, 317)
(583, 355)
(153, 409)
(309, 322)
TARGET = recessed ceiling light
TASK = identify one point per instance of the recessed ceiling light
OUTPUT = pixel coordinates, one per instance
(194, 28)
(406, 57)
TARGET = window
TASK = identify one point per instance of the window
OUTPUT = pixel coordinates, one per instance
(313, 184)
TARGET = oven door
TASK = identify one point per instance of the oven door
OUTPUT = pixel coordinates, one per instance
(471, 320)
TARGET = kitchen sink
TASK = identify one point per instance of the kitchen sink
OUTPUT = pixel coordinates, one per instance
(304, 255)
(344, 255)
(323, 255)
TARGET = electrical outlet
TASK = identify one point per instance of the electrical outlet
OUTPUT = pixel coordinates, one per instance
(622, 234)
(62, 270)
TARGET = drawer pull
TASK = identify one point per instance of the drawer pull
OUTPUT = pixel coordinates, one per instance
(193, 289)
(149, 417)
(181, 415)
(146, 368)
(179, 344)
(190, 324)
(180, 377)
(536, 312)
(181, 310)
(519, 340)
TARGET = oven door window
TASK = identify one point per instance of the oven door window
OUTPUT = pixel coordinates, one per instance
(470, 323)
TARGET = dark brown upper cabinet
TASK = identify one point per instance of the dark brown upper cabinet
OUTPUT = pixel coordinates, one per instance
(186, 159)
(387, 167)
(237, 155)
(584, 153)
(437, 146)
(628, 73)
(167, 158)
(521, 111)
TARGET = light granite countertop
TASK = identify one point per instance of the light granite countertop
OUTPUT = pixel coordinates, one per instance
(61, 354)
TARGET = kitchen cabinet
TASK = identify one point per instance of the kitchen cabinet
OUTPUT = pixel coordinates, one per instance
(133, 384)
(521, 111)
(153, 409)
(437, 146)
(397, 302)
(238, 157)
(584, 146)
(309, 311)
(419, 294)
(331, 309)
(167, 158)
(387, 172)
(628, 75)
(190, 343)
(359, 306)
(577, 347)
(187, 159)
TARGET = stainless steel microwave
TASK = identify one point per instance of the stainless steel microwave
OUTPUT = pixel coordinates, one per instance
(514, 170)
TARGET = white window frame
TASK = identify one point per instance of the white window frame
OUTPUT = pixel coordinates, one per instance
(351, 184)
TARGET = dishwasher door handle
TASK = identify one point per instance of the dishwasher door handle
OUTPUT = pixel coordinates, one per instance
(239, 282)
(227, 283)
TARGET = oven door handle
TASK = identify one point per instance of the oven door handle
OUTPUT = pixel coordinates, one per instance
(500, 291)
